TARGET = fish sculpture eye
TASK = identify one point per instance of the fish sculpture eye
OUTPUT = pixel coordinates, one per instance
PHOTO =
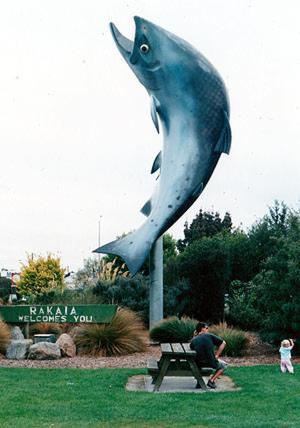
(144, 48)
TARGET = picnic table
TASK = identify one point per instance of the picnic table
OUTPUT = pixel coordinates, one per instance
(177, 359)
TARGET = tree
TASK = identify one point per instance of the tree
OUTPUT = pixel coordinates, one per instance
(5, 287)
(132, 293)
(270, 302)
(205, 266)
(278, 218)
(108, 268)
(278, 290)
(244, 264)
(205, 224)
(243, 308)
(169, 245)
(199, 276)
(263, 235)
(41, 274)
(89, 274)
(177, 297)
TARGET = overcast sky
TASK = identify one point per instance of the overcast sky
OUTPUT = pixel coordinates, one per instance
(77, 140)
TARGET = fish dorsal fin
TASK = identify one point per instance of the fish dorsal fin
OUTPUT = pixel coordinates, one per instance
(146, 210)
(154, 112)
(224, 143)
(156, 164)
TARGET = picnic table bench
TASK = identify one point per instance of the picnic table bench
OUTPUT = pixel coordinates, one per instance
(177, 359)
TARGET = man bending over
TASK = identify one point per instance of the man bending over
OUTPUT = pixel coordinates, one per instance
(204, 344)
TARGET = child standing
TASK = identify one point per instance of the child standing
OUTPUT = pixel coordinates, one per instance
(285, 356)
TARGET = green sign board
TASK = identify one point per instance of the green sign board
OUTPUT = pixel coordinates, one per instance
(58, 313)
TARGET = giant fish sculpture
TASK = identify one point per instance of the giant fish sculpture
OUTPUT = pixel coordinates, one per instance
(189, 97)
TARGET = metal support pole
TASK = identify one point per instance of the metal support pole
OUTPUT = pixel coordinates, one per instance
(156, 282)
(99, 236)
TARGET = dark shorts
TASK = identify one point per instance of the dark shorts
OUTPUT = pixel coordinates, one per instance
(221, 365)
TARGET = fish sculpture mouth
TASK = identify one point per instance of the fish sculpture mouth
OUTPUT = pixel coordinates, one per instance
(131, 51)
(124, 45)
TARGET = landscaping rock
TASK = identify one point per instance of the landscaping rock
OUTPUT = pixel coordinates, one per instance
(67, 345)
(44, 351)
(16, 334)
(18, 349)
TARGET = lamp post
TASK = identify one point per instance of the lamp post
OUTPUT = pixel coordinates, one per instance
(99, 236)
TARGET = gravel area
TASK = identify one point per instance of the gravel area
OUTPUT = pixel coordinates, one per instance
(130, 361)
(126, 361)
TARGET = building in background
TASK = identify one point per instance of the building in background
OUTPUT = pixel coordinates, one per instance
(14, 277)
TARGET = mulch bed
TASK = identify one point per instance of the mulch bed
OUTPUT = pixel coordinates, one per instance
(130, 361)
(257, 353)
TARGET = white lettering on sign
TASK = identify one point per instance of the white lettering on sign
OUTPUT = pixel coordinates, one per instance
(32, 310)
(55, 313)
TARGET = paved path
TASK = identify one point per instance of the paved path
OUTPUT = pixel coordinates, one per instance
(143, 383)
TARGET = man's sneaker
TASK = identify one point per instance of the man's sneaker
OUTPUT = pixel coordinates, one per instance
(198, 386)
(211, 384)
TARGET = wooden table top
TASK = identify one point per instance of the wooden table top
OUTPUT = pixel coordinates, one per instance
(179, 349)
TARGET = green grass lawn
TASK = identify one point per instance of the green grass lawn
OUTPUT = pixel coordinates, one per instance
(97, 398)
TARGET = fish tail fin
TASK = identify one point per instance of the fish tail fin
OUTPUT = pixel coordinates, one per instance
(132, 248)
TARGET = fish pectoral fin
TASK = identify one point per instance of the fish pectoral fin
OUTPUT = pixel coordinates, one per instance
(154, 113)
(157, 163)
(224, 143)
(146, 210)
(198, 190)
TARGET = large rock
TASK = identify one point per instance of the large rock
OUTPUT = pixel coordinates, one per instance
(67, 345)
(18, 349)
(16, 334)
(44, 351)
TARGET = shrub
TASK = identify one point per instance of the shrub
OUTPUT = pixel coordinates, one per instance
(4, 336)
(173, 330)
(124, 335)
(67, 296)
(46, 328)
(132, 293)
(236, 340)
